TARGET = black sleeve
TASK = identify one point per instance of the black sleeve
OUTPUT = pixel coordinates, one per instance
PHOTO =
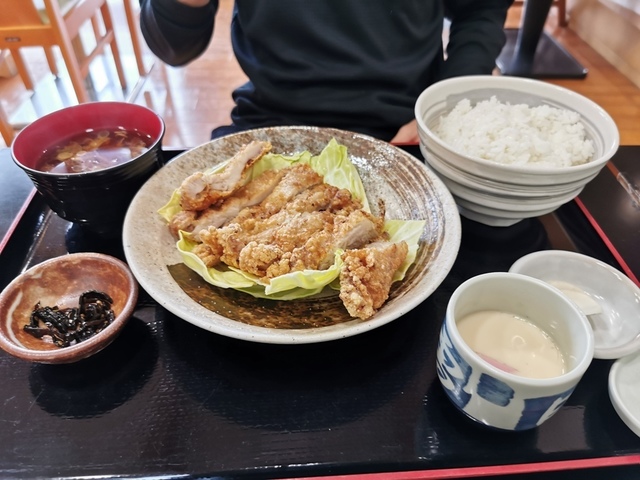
(476, 36)
(176, 33)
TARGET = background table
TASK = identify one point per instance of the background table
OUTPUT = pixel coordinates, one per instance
(531, 52)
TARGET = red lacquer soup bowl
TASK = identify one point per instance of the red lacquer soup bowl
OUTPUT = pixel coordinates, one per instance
(97, 156)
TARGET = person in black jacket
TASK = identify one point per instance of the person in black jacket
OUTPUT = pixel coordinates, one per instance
(357, 65)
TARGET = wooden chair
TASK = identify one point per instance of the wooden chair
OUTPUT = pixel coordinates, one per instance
(561, 5)
(22, 24)
(133, 23)
(6, 129)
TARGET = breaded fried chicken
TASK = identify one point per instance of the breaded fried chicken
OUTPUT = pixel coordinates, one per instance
(299, 207)
(352, 230)
(367, 274)
(218, 215)
(201, 190)
(287, 236)
(295, 180)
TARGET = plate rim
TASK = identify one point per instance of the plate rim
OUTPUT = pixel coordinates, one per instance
(235, 329)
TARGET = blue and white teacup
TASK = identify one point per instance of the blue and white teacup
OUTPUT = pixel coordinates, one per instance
(497, 397)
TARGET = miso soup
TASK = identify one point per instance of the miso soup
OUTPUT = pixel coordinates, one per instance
(94, 150)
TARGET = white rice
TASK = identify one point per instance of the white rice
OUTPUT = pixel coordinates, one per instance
(516, 134)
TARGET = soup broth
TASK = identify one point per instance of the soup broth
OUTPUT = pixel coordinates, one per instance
(94, 150)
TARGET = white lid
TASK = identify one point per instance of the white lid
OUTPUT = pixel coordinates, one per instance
(624, 390)
(616, 326)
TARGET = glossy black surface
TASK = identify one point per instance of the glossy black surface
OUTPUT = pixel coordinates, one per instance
(169, 399)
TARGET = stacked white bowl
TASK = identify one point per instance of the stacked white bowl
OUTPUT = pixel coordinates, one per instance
(502, 194)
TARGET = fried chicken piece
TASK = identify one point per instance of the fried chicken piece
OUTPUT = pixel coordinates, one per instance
(217, 239)
(354, 230)
(257, 257)
(367, 274)
(201, 190)
(269, 246)
(343, 203)
(184, 220)
(357, 229)
(218, 215)
(209, 256)
(296, 179)
(301, 258)
(321, 197)
(285, 226)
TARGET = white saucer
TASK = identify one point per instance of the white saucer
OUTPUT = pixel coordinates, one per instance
(624, 390)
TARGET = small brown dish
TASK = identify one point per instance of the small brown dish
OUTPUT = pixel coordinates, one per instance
(60, 282)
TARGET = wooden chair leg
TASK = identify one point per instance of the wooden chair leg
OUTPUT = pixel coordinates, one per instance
(51, 60)
(22, 68)
(135, 36)
(115, 51)
(563, 21)
(73, 68)
(6, 130)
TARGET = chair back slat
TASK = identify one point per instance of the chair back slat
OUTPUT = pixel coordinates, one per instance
(75, 17)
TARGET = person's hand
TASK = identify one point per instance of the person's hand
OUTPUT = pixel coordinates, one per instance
(408, 133)
(194, 3)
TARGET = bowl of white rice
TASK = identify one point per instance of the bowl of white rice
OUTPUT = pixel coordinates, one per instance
(515, 138)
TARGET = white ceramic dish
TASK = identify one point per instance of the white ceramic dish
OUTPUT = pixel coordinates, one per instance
(489, 391)
(495, 217)
(442, 96)
(410, 191)
(624, 390)
(501, 202)
(486, 219)
(450, 171)
(617, 327)
(491, 206)
(524, 183)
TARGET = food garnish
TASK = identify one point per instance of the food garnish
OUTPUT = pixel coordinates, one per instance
(69, 326)
(285, 227)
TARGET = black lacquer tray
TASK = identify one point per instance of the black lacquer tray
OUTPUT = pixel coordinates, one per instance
(169, 400)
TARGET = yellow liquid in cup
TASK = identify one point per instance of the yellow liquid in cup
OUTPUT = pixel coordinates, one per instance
(512, 344)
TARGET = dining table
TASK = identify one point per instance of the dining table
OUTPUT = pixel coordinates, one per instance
(170, 400)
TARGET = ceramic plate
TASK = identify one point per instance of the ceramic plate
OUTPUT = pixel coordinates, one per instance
(624, 390)
(410, 191)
